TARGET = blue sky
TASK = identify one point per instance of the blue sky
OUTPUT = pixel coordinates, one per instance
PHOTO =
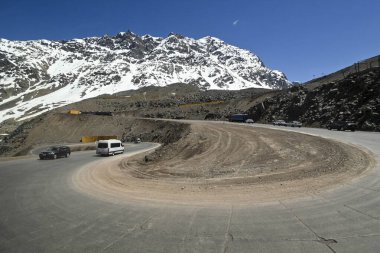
(302, 38)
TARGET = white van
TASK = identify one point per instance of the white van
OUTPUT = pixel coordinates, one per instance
(109, 147)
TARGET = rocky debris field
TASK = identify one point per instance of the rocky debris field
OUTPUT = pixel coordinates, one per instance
(355, 98)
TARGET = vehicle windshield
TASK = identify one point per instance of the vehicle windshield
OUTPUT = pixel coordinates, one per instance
(52, 149)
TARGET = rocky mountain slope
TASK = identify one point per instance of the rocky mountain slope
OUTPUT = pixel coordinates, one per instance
(353, 98)
(37, 76)
(373, 62)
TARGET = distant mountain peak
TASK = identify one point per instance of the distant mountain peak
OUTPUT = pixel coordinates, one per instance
(39, 75)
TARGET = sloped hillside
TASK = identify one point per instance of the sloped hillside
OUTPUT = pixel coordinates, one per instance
(63, 128)
(373, 62)
(355, 98)
(178, 101)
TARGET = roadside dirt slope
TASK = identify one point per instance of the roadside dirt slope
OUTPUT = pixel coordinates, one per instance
(63, 128)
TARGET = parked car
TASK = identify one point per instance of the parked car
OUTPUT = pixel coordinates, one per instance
(342, 125)
(250, 121)
(279, 123)
(54, 152)
(294, 124)
(240, 117)
(109, 147)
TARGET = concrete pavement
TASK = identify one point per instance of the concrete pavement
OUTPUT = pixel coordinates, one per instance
(41, 212)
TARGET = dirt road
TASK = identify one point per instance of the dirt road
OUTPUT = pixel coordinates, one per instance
(222, 163)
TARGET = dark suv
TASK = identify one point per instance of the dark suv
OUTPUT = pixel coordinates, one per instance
(54, 152)
(342, 125)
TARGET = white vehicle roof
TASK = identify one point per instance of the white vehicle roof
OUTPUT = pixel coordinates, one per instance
(111, 140)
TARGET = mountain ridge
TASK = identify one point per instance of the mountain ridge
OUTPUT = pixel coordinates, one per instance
(40, 75)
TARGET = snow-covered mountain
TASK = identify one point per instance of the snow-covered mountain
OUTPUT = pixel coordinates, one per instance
(36, 76)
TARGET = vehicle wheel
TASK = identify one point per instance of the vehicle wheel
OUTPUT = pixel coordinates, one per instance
(113, 153)
(55, 157)
(66, 155)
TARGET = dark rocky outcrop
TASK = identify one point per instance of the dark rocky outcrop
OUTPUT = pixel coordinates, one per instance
(354, 98)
